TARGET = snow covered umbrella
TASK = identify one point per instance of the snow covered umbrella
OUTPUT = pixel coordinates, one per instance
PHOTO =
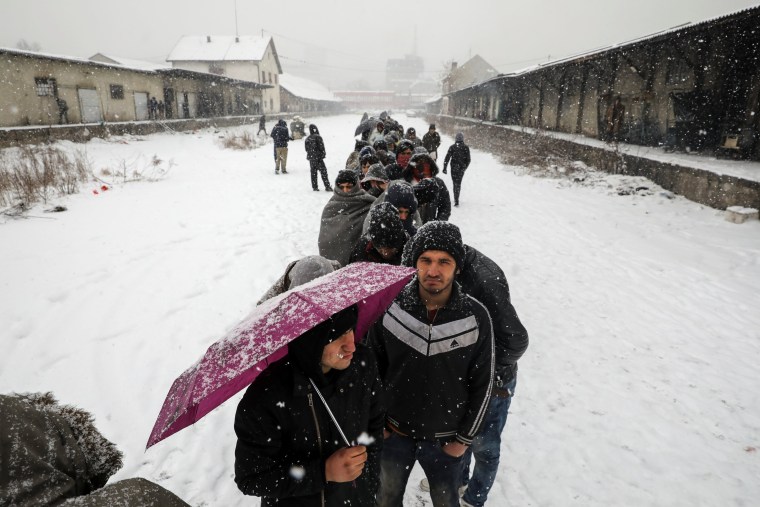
(234, 361)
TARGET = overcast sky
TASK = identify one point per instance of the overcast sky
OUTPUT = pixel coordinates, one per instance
(353, 39)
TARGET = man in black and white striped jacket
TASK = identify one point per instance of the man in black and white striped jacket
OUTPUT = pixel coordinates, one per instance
(435, 354)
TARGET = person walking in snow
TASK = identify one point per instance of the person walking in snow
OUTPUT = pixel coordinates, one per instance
(431, 141)
(483, 279)
(281, 137)
(315, 154)
(342, 218)
(434, 350)
(459, 156)
(289, 450)
(153, 108)
(262, 125)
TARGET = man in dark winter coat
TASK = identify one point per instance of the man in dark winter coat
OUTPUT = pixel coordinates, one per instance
(385, 238)
(401, 195)
(289, 450)
(435, 353)
(315, 154)
(404, 151)
(459, 155)
(431, 141)
(484, 280)
(430, 190)
(342, 218)
(262, 125)
(281, 137)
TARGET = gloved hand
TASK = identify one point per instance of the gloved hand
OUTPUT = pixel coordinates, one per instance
(444, 170)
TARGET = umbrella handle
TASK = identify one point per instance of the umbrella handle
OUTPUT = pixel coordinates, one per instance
(324, 402)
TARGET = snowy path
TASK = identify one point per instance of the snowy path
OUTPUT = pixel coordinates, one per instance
(639, 386)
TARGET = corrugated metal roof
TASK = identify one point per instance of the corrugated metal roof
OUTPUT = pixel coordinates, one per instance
(128, 62)
(597, 51)
(307, 89)
(218, 48)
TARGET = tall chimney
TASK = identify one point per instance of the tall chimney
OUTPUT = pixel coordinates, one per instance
(453, 65)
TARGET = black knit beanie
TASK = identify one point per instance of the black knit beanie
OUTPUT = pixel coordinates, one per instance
(435, 235)
(385, 227)
(346, 176)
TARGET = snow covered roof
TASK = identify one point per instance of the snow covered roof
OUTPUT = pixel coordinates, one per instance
(307, 89)
(436, 98)
(128, 62)
(217, 48)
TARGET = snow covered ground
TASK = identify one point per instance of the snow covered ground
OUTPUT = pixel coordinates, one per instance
(640, 386)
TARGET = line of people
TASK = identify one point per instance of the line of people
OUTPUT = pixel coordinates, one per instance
(432, 382)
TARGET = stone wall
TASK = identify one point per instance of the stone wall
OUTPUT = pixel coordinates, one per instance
(714, 190)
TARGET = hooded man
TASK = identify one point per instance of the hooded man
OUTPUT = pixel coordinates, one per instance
(315, 154)
(431, 141)
(375, 181)
(435, 354)
(385, 238)
(430, 190)
(342, 218)
(411, 136)
(404, 150)
(281, 137)
(459, 155)
(289, 449)
(401, 195)
(298, 273)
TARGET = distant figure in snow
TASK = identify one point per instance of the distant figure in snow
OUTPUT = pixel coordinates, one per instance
(262, 125)
(459, 156)
(281, 137)
(63, 110)
(315, 154)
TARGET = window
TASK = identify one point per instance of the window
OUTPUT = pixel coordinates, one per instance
(270, 77)
(271, 104)
(275, 79)
(117, 92)
(45, 86)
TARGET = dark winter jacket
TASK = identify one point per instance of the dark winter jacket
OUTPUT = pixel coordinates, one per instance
(401, 194)
(282, 426)
(436, 203)
(364, 251)
(431, 141)
(459, 155)
(50, 452)
(484, 280)
(280, 135)
(341, 223)
(437, 375)
(315, 147)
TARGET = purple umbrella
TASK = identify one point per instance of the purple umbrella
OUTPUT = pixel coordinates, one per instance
(233, 362)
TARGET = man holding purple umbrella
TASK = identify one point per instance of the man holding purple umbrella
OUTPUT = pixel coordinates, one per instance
(310, 426)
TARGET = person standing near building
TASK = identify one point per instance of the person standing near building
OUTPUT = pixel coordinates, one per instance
(281, 136)
(459, 155)
(431, 141)
(262, 125)
(435, 354)
(63, 110)
(315, 154)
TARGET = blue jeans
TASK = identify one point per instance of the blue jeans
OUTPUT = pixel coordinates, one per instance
(397, 459)
(486, 447)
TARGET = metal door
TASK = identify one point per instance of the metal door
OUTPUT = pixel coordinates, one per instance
(141, 105)
(89, 104)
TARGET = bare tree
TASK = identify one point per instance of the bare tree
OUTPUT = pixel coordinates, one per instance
(23, 45)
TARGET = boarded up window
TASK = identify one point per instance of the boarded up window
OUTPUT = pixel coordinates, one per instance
(117, 92)
(45, 86)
